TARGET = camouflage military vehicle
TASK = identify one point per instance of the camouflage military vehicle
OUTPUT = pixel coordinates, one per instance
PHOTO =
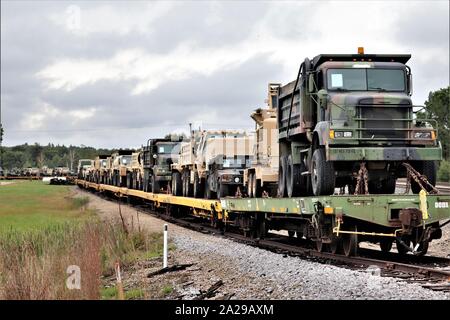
(99, 172)
(120, 163)
(135, 174)
(84, 167)
(347, 109)
(212, 164)
(157, 157)
(262, 175)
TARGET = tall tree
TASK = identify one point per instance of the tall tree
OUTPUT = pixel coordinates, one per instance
(437, 107)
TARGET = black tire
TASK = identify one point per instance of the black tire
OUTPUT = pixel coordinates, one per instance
(176, 184)
(282, 178)
(155, 185)
(322, 174)
(208, 191)
(256, 184)
(428, 169)
(198, 187)
(187, 187)
(223, 191)
(292, 178)
(129, 181)
(386, 186)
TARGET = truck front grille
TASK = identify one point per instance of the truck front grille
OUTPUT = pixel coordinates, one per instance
(384, 122)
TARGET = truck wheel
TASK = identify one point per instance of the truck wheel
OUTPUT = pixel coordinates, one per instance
(322, 174)
(187, 189)
(282, 178)
(386, 186)
(256, 187)
(223, 191)
(176, 184)
(197, 186)
(155, 185)
(129, 185)
(292, 177)
(208, 191)
(428, 169)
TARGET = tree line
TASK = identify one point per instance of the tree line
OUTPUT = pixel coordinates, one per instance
(52, 156)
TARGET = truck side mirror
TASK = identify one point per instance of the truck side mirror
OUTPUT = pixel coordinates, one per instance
(311, 83)
(323, 98)
(410, 84)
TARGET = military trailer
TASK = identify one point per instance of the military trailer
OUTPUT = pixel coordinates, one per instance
(262, 175)
(212, 164)
(120, 163)
(135, 174)
(349, 114)
(158, 156)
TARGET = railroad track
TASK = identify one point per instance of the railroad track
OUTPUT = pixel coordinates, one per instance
(431, 272)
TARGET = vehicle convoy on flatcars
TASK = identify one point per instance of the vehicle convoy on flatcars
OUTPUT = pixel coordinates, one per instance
(347, 112)
(211, 163)
(346, 122)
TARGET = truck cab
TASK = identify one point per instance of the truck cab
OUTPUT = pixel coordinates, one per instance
(349, 109)
(158, 156)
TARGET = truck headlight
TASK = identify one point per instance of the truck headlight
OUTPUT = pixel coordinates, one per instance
(343, 134)
(422, 135)
(237, 179)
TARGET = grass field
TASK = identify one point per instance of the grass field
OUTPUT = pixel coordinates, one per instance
(44, 229)
(32, 205)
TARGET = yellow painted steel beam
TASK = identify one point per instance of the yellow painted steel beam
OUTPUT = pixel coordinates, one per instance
(203, 204)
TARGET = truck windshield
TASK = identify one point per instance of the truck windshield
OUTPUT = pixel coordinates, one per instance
(165, 148)
(366, 79)
(126, 159)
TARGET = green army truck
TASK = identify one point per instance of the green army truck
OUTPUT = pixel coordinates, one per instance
(350, 112)
(158, 156)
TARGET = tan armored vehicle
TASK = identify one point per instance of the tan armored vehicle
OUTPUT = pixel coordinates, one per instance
(135, 175)
(262, 175)
(98, 173)
(212, 164)
(121, 162)
(84, 168)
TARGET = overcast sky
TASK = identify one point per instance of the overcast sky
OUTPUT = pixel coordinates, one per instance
(112, 74)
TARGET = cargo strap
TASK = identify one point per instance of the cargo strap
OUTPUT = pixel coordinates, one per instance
(362, 181)
(420, 179)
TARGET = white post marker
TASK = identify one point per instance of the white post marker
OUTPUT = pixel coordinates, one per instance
(165, 247)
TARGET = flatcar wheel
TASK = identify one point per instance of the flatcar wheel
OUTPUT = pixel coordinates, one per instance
(350, 242)
(402, 247)
(336, 245)
(386, 245)
(320, 246)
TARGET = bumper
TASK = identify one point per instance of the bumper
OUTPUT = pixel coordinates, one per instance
(163, 178)
(383, 154)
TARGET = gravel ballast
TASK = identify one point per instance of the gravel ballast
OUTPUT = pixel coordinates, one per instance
(252, 273)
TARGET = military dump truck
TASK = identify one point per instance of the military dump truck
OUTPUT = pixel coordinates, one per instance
(84, 166)
(212, 164)
(158, 156)
(135, 174)
(98, 173)
(120, 162)
(351, 115)
(262, 175)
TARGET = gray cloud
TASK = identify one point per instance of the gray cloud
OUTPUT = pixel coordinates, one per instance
(32, 40)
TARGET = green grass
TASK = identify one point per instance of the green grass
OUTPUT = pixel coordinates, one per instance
(32, 205)
(111, 294)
